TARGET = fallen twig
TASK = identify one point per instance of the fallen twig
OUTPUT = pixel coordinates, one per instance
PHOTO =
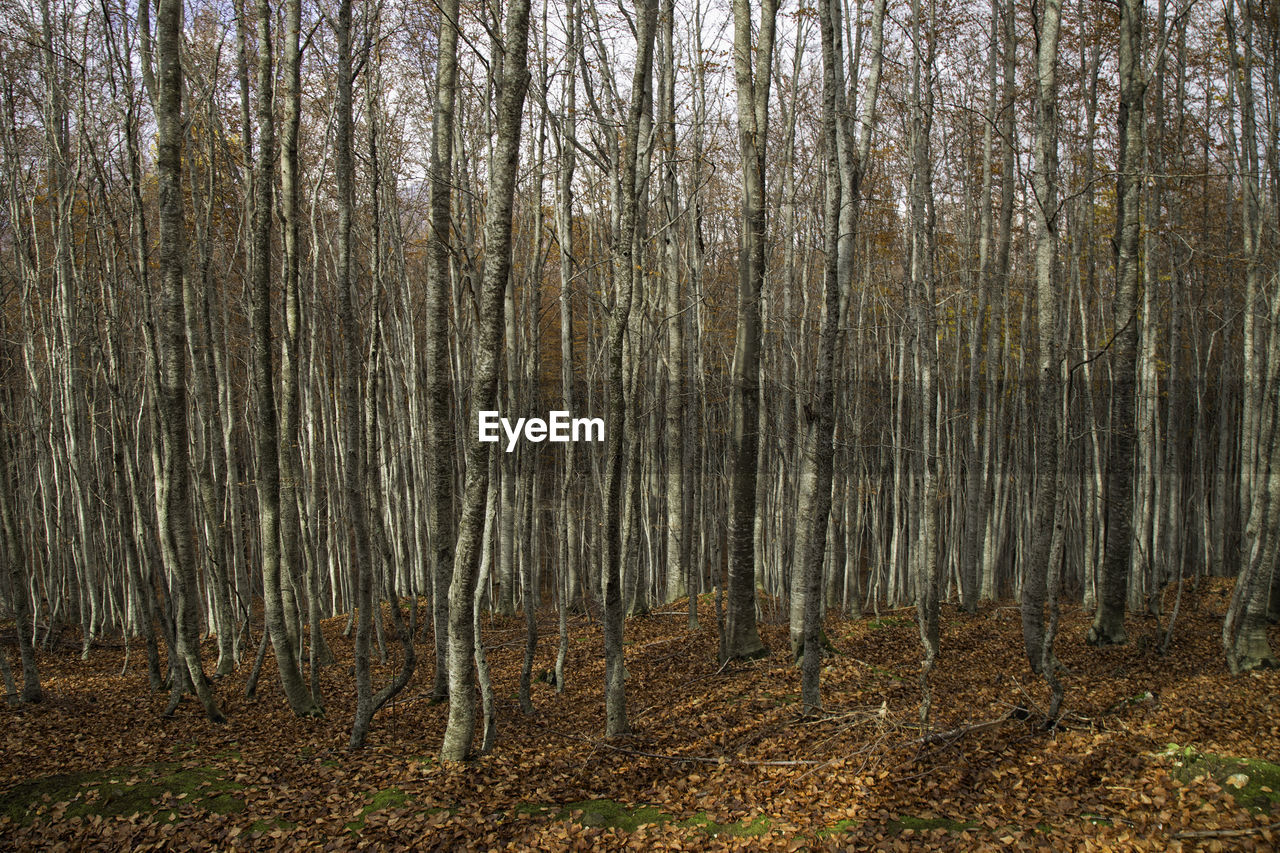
(957, 733)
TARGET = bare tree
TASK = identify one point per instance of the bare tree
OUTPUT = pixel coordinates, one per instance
(440, 510)
(742, 638)
(1108, 622)
(514, 49)
(173, 478)
(623, 279)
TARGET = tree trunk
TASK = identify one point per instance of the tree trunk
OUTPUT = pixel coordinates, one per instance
(268, 429)
(1108, 622)
(173, 480)
(484, 378)
(1045, 210)
(440, 511)
(742, 638)
(623, 279)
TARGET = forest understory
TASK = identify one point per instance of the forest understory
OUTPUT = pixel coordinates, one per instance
(1152, 751)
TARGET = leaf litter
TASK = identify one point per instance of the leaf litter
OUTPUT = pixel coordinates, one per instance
(721, 757)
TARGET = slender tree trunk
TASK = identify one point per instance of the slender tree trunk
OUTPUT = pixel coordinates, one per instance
(623, 261)
(742, 638)
(484, 379)
(977, 486)
(19, 578)
(1108, 622)
(1044, 182)
(923, 293)
(173, 481)
(266, 425)
(675, 401)
(440, 511)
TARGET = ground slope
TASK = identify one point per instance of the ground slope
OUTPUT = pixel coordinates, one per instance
(1153, 751)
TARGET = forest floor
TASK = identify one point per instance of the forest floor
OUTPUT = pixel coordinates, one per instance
(1153, 752)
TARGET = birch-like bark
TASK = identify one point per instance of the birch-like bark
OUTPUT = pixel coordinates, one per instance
(742, 638)
(1044, 180)
(440, 510)
(484, 379)
(1108, 622)
(266, 425)
(173, 480)
(623, 280)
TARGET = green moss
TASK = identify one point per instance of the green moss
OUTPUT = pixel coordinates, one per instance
(742, 829)
(837, 828)
(387, 798)
(610, 813)
(1260, 791)
(887, 622)
(884, 673)
(266, 825)
(532, 809)
(156, 790)
(926, 823)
